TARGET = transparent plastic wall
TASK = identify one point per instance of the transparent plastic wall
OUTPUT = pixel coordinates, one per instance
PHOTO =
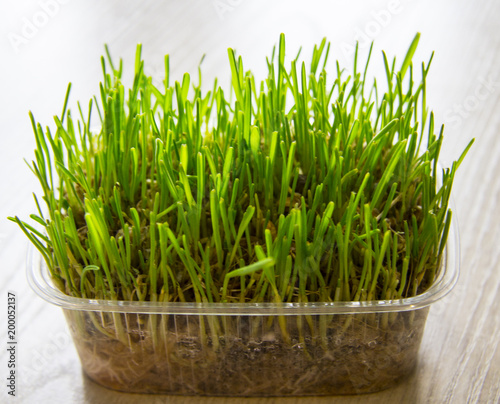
(248, 349)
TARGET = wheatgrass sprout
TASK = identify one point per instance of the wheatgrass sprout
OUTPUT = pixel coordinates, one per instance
(308, 187)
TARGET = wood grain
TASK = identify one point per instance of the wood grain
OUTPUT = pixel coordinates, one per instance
(459, 360)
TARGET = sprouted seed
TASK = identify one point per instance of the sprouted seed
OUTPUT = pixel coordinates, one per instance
(308, 186)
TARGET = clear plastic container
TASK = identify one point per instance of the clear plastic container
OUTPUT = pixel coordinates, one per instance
(248, 349)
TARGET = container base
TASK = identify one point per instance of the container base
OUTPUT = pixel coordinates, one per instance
(248, 356)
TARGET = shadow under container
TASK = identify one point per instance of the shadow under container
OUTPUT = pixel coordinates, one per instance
(248, 349)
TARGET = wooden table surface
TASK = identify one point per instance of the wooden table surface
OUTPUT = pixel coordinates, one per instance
(44, 44)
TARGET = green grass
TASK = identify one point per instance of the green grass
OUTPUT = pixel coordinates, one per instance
(308, 187)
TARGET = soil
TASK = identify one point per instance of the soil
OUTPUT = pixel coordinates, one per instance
(249, 356)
